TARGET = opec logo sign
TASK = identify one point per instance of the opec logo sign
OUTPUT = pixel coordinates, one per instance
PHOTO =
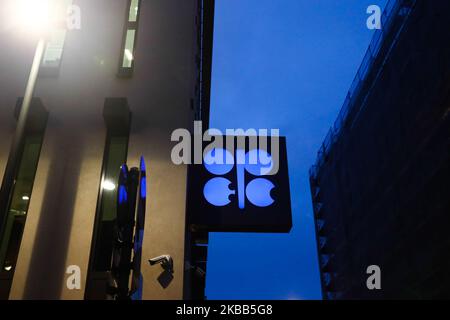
(240, 190)
(257, 162)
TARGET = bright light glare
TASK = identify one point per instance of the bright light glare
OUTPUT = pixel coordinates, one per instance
(108, 185)
(129, 55)
(25, 198)
(34, 16)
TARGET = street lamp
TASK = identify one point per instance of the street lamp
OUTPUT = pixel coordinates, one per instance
(37, 18)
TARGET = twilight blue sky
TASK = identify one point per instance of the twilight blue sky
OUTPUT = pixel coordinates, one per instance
(284, 64)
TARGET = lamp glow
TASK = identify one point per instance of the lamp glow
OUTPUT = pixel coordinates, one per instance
(108, 185)
(25, 198)
(32, 15)
(36, 16)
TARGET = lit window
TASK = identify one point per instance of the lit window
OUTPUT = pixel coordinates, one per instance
(129, 49)
(54, 50)
(134, 8)
(17, 208)
(129, 43)
(51, 60)
(117, 118)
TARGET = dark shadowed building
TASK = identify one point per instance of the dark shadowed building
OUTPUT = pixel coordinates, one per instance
(380, 187)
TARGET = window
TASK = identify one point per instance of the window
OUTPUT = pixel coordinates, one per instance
(134, 8)
(117, 118)
(129, 42)
(129, 48)
(115, 156)
(19, 203)
(13, 220)
(51, 60)
(54, 49)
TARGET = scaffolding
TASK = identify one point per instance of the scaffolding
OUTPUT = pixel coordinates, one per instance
(393, 20)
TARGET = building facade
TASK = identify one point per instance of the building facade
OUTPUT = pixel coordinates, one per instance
(109, 92)
(380, 184)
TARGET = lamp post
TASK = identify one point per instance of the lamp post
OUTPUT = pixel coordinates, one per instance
(34, 17)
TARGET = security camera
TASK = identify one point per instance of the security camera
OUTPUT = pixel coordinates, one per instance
(165, 261)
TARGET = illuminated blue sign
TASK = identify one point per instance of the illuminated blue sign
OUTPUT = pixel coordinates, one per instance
(240, 190)
(217, 191)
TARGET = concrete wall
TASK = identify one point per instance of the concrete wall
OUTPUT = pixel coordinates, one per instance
(59, 226)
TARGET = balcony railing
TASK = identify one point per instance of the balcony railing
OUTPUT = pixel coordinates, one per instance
(393, 20)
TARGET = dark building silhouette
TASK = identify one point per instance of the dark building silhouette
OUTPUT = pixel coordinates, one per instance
(380, 187)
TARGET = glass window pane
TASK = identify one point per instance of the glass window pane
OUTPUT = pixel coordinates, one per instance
(129, 49)
(115, 157)
(10, 241)
(54, 49)
(55, 45)
(134, 9)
